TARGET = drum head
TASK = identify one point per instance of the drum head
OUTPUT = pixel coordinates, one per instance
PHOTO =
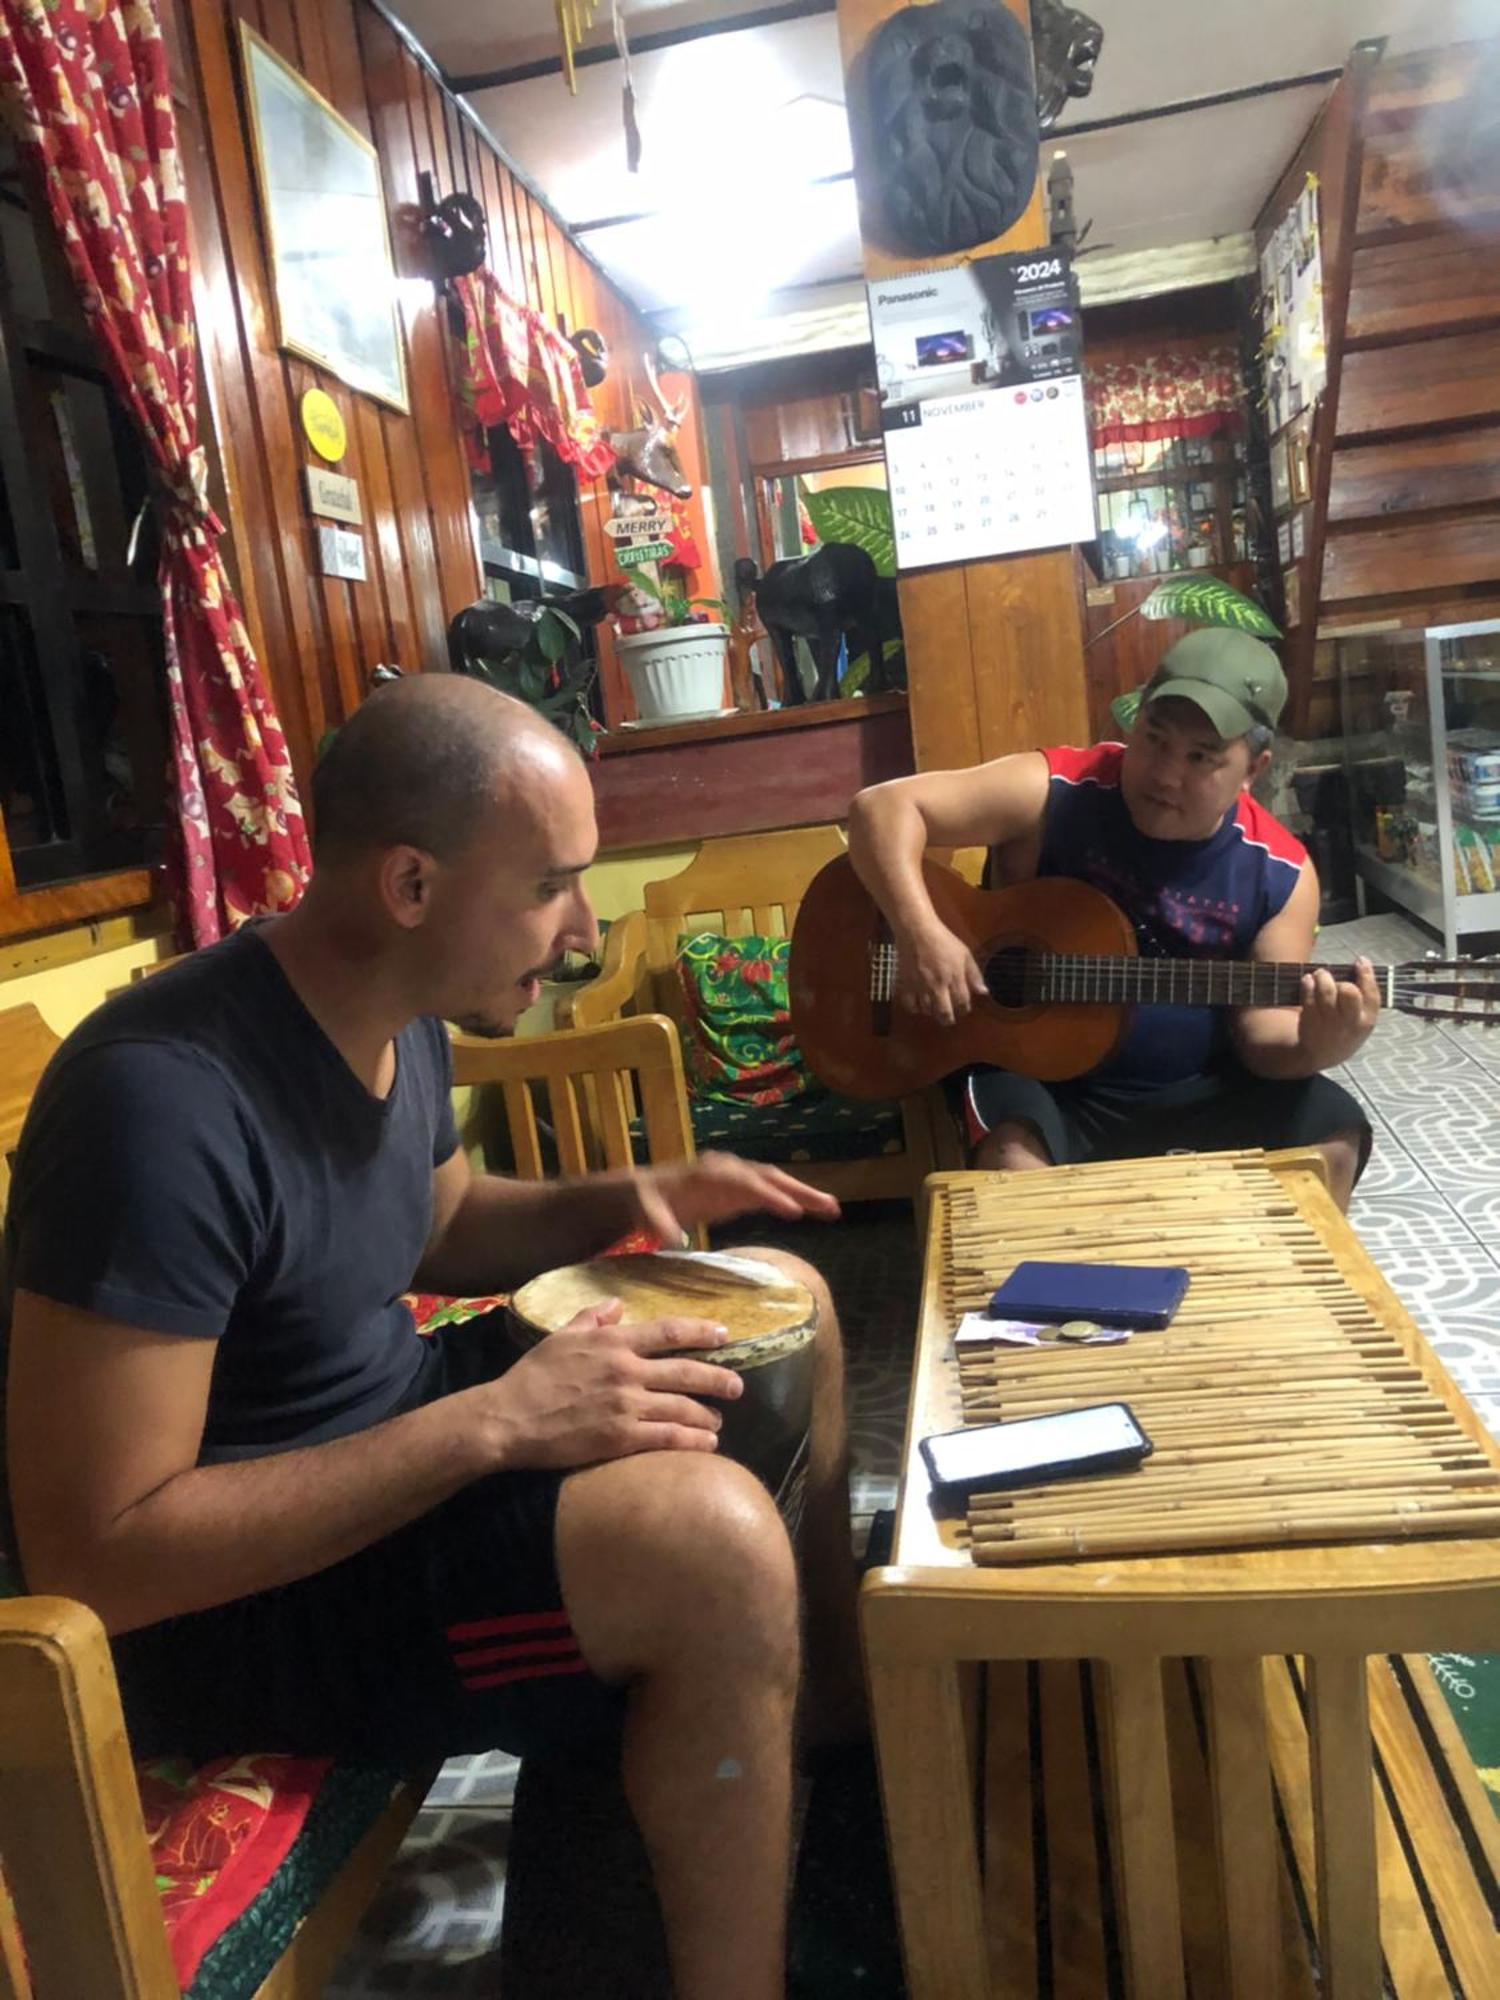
(751, 1298)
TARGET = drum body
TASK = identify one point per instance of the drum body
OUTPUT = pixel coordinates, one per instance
(772, 1323)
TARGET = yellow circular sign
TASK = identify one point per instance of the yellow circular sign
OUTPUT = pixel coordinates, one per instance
(323, 424)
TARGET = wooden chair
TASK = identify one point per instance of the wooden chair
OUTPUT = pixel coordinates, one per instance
(594, 1079)
(748, 884)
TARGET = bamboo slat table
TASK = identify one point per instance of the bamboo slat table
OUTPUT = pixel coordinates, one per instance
(1153, 1775)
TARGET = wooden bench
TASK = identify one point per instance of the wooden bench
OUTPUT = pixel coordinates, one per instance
(1228, 1773)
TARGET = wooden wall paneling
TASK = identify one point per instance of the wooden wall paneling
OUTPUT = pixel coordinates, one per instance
(223, 384)
(295, 30)
(1415, 556)
(1423, 174)
(250, 369)
(1415, 475)
(712, 783)
(434, 404)
(339, 659)
(615, 402)
(1333, 150)
(333, 658)
(382, 605)
(1452, 379)
(1447, 283)
(946, 612)
(1417, 83)
(384, 62)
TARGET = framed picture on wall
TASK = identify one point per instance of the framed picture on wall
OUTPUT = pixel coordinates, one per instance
(332, 275)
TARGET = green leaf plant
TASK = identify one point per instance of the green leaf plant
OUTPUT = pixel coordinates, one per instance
(550, 674)
(676, 609)
(858, 514)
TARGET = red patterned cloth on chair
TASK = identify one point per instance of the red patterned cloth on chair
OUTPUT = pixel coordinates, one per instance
(218, 1834)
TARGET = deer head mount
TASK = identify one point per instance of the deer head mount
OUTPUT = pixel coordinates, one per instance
(649, 452)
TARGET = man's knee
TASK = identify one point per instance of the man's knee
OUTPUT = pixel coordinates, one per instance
(674, 1551)
(809, 1276)
(1011, 1148)
(1344, 1152)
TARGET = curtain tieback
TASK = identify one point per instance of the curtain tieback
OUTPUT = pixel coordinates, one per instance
(182, 493)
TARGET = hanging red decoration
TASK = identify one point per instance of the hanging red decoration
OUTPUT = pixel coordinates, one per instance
(520, 372)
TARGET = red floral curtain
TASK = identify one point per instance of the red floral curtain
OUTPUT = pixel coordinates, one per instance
(1164, 396)
(520, 372)
(84, 85)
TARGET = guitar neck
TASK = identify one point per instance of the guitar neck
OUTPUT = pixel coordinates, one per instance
(1169, 982)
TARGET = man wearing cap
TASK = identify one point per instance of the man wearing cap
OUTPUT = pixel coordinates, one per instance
(1165, 825)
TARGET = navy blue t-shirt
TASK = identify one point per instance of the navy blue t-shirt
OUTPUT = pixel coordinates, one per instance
(200, 1160)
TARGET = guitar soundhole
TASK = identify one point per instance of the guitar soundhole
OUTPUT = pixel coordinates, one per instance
(1010, 975)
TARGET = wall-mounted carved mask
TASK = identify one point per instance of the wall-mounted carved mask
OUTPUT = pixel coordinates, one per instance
(1066, 44)
(946, 120)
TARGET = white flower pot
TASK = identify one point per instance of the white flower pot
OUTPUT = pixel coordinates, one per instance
(676, 671)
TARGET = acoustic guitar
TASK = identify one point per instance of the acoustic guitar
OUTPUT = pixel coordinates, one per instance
(1063, 973)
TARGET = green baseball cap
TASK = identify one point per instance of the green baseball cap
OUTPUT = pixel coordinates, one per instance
(1236, 680)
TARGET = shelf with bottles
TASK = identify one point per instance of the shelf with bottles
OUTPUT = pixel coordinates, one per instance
(1170, 504)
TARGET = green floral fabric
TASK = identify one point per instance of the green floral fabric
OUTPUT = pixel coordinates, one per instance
(740, 1048)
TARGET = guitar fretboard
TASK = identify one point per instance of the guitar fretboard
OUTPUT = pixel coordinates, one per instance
(1165, 982)
(1020, 978)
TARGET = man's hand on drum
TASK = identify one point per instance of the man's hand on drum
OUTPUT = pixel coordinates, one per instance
(716, 1187)
(937, 976)
(598, 1389)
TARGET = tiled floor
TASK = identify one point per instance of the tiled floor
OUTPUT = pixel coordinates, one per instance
(1429, 1210)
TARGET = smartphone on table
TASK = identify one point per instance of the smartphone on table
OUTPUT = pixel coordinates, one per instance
(989, 1458)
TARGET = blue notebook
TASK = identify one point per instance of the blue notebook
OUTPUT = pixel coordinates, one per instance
(1133, 1295)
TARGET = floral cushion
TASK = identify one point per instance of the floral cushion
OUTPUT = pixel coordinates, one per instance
(244, 1849)
(739, 1048)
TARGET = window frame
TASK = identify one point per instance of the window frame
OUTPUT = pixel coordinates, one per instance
(82, 879)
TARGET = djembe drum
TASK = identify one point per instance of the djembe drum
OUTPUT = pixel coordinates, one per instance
(772, 1322)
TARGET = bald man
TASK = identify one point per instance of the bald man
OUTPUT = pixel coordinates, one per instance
(306, 1528)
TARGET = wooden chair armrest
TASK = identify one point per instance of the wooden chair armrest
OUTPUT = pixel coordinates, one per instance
(76, 1858)
(622, 976)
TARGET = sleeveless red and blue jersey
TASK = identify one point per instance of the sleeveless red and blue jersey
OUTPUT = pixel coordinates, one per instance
(1185, 898)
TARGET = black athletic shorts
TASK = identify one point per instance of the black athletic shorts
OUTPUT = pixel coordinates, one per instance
(447, 1637)
(1092, 1119)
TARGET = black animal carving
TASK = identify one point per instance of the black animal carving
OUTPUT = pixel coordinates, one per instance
(821, 597)
(593, 355)
(946, 124)
(1066, 43)
(484, 634)
(453, 236)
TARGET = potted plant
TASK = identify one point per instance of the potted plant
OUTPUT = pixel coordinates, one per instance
(547, 671)
(677, 669)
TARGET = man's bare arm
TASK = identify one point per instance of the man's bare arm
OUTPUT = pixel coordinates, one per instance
(891, 827)
(490, 1233)
(106, 1422)
(1331, 1019)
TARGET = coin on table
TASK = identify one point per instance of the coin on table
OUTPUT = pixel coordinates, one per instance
(1079, 1329)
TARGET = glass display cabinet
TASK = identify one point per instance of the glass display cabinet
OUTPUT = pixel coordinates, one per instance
(1421, 715)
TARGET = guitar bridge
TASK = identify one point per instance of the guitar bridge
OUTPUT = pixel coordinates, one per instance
(882, 980)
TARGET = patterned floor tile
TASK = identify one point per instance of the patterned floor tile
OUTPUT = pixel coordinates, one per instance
(485, 1780)
(433, 1931)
